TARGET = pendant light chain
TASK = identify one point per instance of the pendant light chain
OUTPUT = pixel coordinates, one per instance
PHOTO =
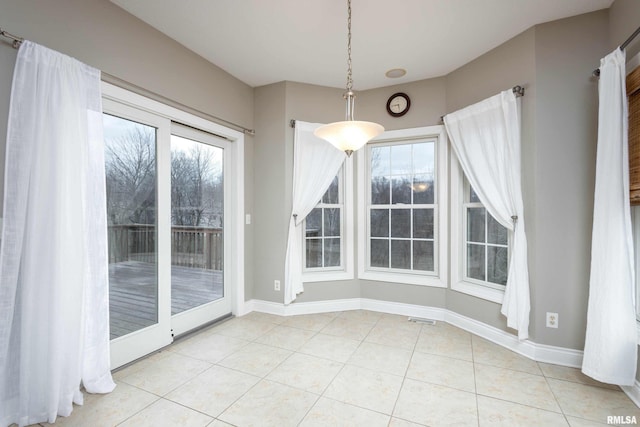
(349, 78)
(349, 135)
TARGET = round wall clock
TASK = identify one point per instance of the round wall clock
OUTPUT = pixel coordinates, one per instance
(398, 104)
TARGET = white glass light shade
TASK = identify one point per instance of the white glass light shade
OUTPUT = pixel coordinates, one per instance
(349, 135)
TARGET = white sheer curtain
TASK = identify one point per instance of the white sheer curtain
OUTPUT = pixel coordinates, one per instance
(54, 318)
(315, 164)
(486, 138)
(610, 350)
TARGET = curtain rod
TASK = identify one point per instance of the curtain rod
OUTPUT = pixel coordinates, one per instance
(16, 41)
(109, 78)
(596, 72)
(517, 90)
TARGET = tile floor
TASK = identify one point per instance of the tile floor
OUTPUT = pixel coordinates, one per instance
(354, 368)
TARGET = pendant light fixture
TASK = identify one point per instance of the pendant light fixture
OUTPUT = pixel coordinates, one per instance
(349, 135)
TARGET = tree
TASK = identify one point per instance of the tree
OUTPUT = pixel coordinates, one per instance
(131, 177)
(196, 187)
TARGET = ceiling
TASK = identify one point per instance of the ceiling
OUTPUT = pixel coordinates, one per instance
(267, 41)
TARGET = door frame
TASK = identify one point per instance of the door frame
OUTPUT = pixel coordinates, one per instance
(234, 258)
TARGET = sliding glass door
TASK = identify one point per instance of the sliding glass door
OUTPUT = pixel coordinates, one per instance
(197, 227)
(166, 213)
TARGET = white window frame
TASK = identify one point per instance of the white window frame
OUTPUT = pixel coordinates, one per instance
(459, 281)
(438, 278)
(346, 270)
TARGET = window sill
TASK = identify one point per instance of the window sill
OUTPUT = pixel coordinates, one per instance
(479, 291)
(326, 276)
(408, 278)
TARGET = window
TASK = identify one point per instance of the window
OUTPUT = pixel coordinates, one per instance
(479, 244)
(328, 232)
(323, 228)
(486, 241)
(402, 207)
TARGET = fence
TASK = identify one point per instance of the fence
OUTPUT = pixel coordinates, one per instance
(196, 247)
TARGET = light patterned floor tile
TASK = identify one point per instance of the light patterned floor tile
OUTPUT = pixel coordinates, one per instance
(365, 388)
(444, 329)
(446, 371)
(515, 386)
(361, 315)
(286, 337)
(572, 374)
(387, 334)
(347, 327)
(255, 359)
(166, 413)
(106, 410)
(381, 358)
(256, 316)
(218, 423)
(488, 353)
(211, 347)
(580, 422)
(312, 322)
(138, 365)
(214, 390)
(273, 370)
(398, 422)
(270, 404)
(435, 405)
(330, 347)
(445, 341)
(166, 373)
(328, 412)
(494, 412)
(305, 372)
(244, 329)
(592, 403)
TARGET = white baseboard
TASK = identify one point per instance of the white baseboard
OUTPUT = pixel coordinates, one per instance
(633, 391)
(538, 352)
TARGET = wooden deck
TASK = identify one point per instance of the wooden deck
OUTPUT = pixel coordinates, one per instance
(132, 293)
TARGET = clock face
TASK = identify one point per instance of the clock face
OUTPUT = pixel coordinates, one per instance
(398, 104)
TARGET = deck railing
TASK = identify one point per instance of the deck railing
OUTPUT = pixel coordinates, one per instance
(196, 247)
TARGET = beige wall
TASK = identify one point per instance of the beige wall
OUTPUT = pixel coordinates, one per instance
(566, 136)
(270, 216)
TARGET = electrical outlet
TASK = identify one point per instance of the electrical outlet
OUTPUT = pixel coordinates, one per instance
(552, 320)
(276, 285)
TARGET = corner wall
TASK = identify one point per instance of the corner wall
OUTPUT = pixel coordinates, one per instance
(270, 216)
